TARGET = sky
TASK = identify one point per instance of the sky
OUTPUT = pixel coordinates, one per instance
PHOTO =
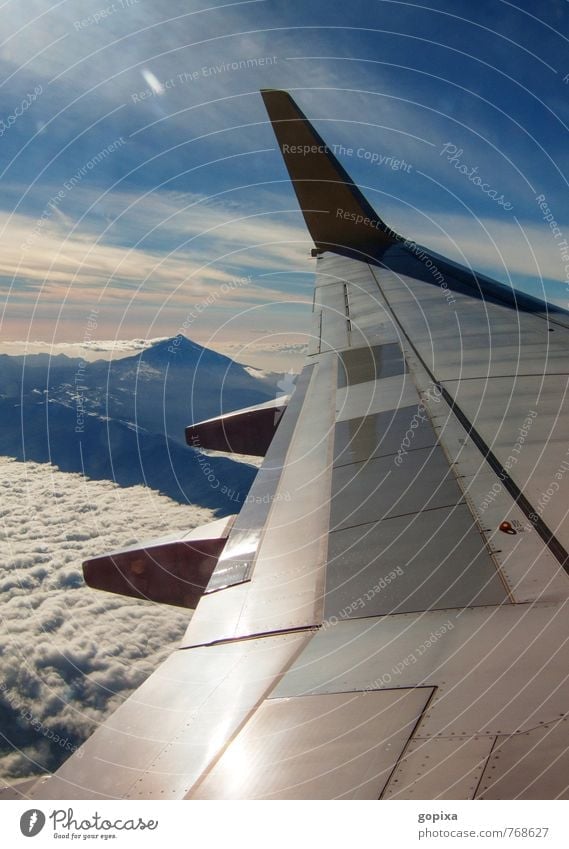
(142, 191)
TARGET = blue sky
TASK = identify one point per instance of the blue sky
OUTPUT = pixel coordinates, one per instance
(139, 173)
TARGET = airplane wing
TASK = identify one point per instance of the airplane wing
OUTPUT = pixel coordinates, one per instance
(387, 616)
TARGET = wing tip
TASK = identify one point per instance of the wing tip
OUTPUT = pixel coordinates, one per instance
(337, 214)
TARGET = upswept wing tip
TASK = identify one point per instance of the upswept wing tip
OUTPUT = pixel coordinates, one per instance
(338, 216)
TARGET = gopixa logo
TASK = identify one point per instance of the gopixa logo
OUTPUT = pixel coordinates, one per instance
(32, 822)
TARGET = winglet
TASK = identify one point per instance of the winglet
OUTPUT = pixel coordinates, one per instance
(337, 214)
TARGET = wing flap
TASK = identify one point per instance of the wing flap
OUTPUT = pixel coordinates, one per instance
(247, 431)
(167, 571)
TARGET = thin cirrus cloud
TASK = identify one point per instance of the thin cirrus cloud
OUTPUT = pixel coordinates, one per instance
(185, 251)
(188, 250)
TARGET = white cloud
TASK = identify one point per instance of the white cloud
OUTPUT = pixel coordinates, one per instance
(280, 352)
(101, 349)
(69, 654)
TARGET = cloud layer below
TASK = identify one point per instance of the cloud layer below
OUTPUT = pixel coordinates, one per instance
(70, 655)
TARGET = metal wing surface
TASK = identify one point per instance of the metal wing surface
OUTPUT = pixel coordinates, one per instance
(387, 617)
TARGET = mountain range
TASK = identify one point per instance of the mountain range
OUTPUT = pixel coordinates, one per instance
(124, 419)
